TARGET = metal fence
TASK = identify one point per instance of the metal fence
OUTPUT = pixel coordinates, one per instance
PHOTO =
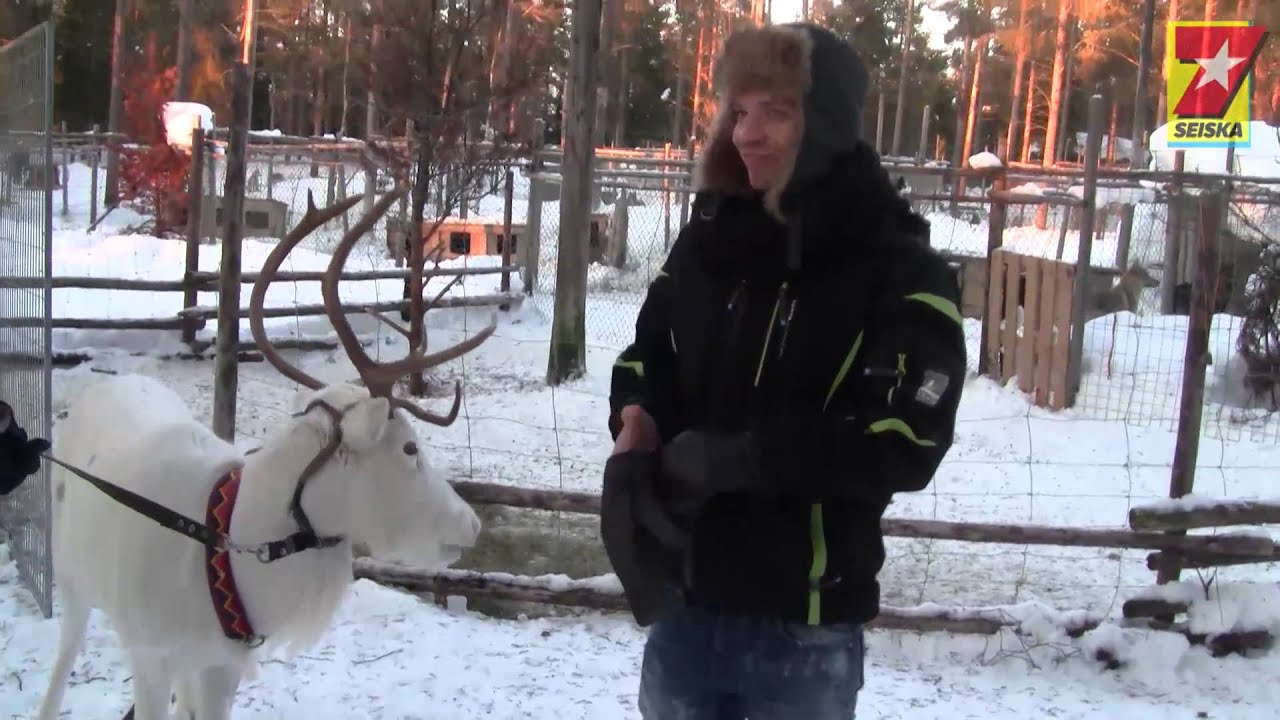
(635, 221)
(28, 177)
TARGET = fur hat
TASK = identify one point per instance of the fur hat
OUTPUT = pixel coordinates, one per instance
(809, 61)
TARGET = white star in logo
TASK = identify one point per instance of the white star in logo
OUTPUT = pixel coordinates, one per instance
(1217, 67)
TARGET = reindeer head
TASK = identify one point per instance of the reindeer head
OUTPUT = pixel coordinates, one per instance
(374, 479)
(1138, 276)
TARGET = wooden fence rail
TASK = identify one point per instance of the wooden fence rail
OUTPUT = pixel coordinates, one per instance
(208, 282)
(1240, 545)
(604, 592)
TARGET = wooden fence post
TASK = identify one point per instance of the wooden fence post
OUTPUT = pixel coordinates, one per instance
(1169, 276)
(988, 358)
(1084, 254)
(1211, 207)
(93, 179)
(195, 205)
(226, 363)
(66, 167)
(508, 193)
(533, 211)
(925, 115)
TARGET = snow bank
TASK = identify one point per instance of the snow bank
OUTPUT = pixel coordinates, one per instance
(1222, 607)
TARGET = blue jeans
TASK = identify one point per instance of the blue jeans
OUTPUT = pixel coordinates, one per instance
(701, 665)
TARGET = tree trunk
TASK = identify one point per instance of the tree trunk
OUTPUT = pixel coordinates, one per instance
(498, 54)
(319, 108)
(1019, 69)
(1113, 128)
(1162, 105)
(697, 76)
(346, 76)
(1061, 62)
(567, 358)
(975, 100)
(1029, 115)
(185, 59)
(1057, 83)
(371, 125)
(903, 62)
(957, 145)
(226, 371)
(1140, 96)
(624, 97)
(1064, 114)
(682, 80)
(418, 213)
(115, 110)
(608, 69)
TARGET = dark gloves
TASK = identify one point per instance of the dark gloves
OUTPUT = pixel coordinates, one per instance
(640, 539)
(698, 464)
(19, 456)
(648, 499)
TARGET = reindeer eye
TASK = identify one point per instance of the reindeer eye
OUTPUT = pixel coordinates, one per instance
(410, 448)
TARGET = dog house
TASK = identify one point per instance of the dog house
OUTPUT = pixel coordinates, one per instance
(262, 217)
(472, 236)
(483, 236)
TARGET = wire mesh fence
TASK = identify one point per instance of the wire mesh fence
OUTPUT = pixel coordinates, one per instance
(27, 177)
(634, 224)
(1012, 463)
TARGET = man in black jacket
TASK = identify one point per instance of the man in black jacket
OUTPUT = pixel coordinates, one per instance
(798, 360)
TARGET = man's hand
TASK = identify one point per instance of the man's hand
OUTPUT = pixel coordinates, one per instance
(19, 455)
(701, 464)
(639, 431)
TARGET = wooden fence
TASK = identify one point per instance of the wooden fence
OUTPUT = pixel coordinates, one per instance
(192, 317)
(1147, 524)
(1029, 323)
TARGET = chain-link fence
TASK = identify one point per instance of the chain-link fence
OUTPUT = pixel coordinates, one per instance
(27, 175)
(1136, 331)
(636, 217)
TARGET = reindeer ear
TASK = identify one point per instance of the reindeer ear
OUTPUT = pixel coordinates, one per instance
(365, 423)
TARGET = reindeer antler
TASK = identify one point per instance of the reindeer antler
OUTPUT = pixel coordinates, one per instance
(312, 221)
(380, 378)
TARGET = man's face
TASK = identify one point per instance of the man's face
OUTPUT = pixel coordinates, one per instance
(766, 132)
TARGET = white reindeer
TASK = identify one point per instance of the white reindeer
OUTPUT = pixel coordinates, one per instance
(350, 466)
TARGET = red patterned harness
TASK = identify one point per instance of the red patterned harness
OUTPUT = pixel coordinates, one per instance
(222, 582)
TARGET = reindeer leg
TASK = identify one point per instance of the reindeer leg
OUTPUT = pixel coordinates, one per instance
(152, 687)
(71, 634)
(216, 690)
(185, 688)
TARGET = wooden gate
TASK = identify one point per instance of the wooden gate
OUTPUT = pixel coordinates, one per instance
(1029, 324)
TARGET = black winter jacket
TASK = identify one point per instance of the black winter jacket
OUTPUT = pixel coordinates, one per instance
(845, 365)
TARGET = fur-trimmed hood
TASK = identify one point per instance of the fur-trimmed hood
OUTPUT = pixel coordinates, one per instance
(797, 57)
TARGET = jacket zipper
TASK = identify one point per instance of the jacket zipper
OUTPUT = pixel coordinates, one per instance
(768, 336)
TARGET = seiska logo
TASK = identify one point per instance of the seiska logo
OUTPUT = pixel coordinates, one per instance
(1210, 82)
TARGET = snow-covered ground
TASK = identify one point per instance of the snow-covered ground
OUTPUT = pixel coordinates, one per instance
(394, 656)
